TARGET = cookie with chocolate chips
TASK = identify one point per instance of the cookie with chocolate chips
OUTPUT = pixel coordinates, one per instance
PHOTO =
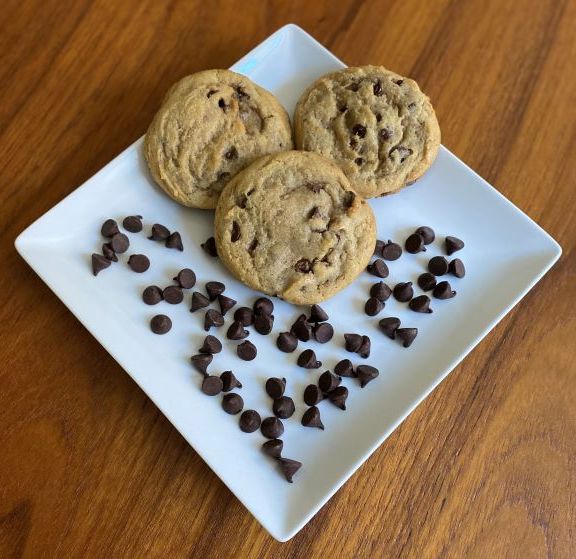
(210, 126)
(377, 126)
(291, 225)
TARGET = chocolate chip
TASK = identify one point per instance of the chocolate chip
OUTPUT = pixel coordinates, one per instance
(287, 342)
(152, 295)
(323, 332)
(186, 278)
(211, 318)
(263, 324)
(250, 421)
(311, 418)
(272, 428)
(406, 335)
(354, 86)
(403, 291)
(377, 88)
(398, 82)
(99, 263)
(211, 345)
(119, 243)
(391, 251)
(378, 268)
(307, 359)
(338, 396)
(352, 342)
(283, 407)
(211, 92)
(426, 281)
(253, 246)
(342, 107)
(109, 228)
(364, 349)
(359, 130)
(263, 305)
(232, 153)
(236, 331)
(201, 361)
(328, 381)
(358, 161)
(411, 106)
(226, 303)
(275, 387)
(312, 395)
(438, 265)
(223, 176)
(214, 288)
(159, 232)
(453, 244)
(385, 133)
(222, 104)
(303, 265)
(378, 117)
(373, 306)
(199, 301)
(344, 368)
(173, 295)
(108, 253)
(389, 326)
(139, 263)
(235, 234)
(174, 241)
(133, 223)
(420, 304)
(414, 243)
(378, 248)
(246, 351)
(317, 314)
(366, 374)
(427, 234)
(160, 324)
(380, 291)
(289, 467)
(273, 448)
(301, 329)
(244, 315)
(232, 403)
(240, 93)
(229, 381)
(211, 385)
(209, 246)
(443, 291)
(456, 268)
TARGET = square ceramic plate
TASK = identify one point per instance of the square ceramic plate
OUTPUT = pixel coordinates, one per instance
(506, 254)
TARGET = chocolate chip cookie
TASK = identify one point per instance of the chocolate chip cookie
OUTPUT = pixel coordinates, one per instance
(291, 225)
(210, 126)
(377, 126)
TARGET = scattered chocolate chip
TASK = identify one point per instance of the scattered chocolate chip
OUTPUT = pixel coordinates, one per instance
(443, 291)
(354, 86)
(303, 265)
(229, 381)
(403, 291)
(211, 345)
(317, 314)
(222, 104)
(175, 241)
(152, 295)
(275, 387)
(273, 448)
(380, 291)
(301, 329)
(263, 323)
(377, 88)
(391, 251)
(211, 385)
(359, 130)
(438, 265)
(173, 295)
(253, 246)
(398, 82)
(199, 301)
(414, 243)
(378, 117)
(99, 263)
(389, 326)
(232, 153)
(109, 228)
(427, 234)
(358, 161)
(186, 278)
(283, 407)
(378, 268)
(366, 373)
(263, 305)
(373, 306)
(352, 342)
(211, 92)
(406, 335)
(272, 428)
(214, 288)
(109, 253)
(426, 281)
(287, 342)
(250, 421)
(364, 349)
(338, 396)
(323, 332)
(307, 360)
(311, 418)
(420, 304)
(312, 395)
(232, 403)
(159, 232)
(456, 268)
(235, 234)
(289, 467)
(378, 248)
(240, 93)
(201, 362)
(133, 223)
(160, 324)
(342, 107)
(119, 243)
(344, 368)
(236, 331)
(226, 303)
(328, 381)
(246, 351)
(139, 263)
(385, 133)
(244, 315)
(453, 244)
(211, 318)
(209, 246)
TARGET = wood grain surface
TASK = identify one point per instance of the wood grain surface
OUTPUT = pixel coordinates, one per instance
(485, 467)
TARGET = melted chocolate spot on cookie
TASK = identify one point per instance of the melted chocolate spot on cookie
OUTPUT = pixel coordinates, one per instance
(358, 161)
(303, 265)
(349, 198)
(398, 82)
(224, 175)
(314, 213)
(252, 247)
(353, 143)
(378, 117)
(241, 203)
(412, 106)
(240, 93)
(211, 92)
(342, 108)
(232, 153)
(235, 235)
(359, 130)
(354, 86)
(222, 104)
(378, 88)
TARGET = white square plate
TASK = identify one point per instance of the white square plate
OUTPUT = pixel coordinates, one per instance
(505, 255)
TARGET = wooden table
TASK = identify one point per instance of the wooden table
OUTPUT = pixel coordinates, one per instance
(485, 467)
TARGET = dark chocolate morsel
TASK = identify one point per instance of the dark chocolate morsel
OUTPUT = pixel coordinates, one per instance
(229, 381)
(174, 240)
(244, 315)
(406, 335)
(323, 332)
(160, 324)
(287, 342)
(391, 251)
(236, 331)
(275, 387)
(283, 407)
(352, 342)
(427, 281)
(249, 421)
(108, 253)
(366, 373)
(201, 361)
(235, 234)
(456, 268)
(272, 428)
(453, 244)
(317, 314)
(109, 228)
(214, 288)
(420, 304)
(152, 295)
(211, 385)
(139, 263)
(209, 246)
(232, 403)
(186, 278)
(378, 247)
(312, 395)
(199, 301)
(378, 268)
(344, 368)
(364, 349)
(389, 326)
(338, 396)
(311, 418)
(381, 291)
(307, 359)
(427, 234)
(414, 243)
(373, 306)
(212, 318)
(246, 351)
(263, 305)
(159, 232)
(301, 329)
(273, 448)
(226, 303)
(438, 265)
(119, 243)
(263, 323)
(328, 381)
(132, 223)
(211, 345)
(99, 263)
(443, 291)
(173, 295)
(289, 467)
(403, 291)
